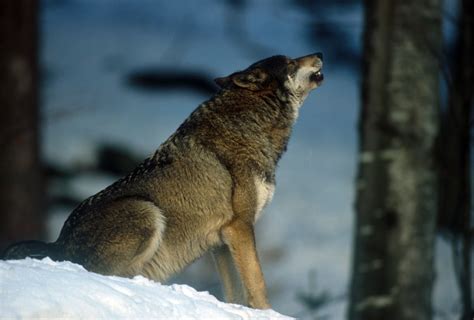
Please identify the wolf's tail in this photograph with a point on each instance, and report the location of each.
(32, 249)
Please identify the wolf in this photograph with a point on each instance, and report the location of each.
(202, 190)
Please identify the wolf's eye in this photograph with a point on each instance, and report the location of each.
(291, 66)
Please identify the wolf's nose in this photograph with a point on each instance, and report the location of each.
(319, 55)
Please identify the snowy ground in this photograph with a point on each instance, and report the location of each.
(44, 289)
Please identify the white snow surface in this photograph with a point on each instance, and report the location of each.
(45, 289)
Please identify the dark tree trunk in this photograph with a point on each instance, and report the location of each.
(397, 185)
(455, 159)
(21, 210)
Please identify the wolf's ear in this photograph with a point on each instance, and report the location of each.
(245, 79)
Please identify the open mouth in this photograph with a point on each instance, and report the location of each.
(317, 77)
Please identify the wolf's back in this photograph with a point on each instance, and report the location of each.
(32, 249)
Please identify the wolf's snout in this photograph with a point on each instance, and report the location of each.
(311, 60)
(315, 62)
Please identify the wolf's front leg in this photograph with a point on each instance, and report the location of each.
(230, 280)
(240, 238)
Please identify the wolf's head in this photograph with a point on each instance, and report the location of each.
(291, 79)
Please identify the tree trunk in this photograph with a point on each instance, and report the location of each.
(21, 210)
(396, 185)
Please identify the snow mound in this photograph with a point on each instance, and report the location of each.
(32, 288)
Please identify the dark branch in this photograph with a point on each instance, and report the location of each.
(156, 79)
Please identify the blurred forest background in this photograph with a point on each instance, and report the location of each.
(90, 88)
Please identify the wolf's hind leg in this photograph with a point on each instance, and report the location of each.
(152, 228)
(120, 238)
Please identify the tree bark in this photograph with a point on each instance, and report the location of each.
(397, 180)
(21, 209)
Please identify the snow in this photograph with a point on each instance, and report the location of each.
(33, 289)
